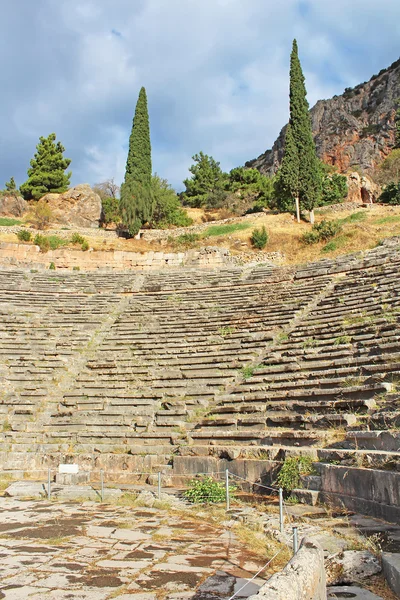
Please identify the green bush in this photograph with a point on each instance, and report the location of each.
(51, 242)
(77, 238)
(52, 266)
(110, 211)
(391, 194)
(292, 469)
(24, 235)
(207, 491)
(186, 240)
(259, 238)
(167, 207)
(322, 232)
(42, 241)
(85, 245)
(56, 242)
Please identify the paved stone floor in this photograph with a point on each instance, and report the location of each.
(87, 551)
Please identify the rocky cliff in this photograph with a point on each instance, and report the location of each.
(354, 131)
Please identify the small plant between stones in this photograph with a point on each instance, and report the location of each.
(292, 469)
(207, 491)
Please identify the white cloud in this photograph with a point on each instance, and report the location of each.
(216, 73)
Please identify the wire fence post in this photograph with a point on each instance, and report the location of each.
(281, 510)
(49, 484)
(102, 484)
(295, 540)
(159, 486)
(227, 489)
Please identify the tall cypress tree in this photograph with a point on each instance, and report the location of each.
(397, 125)
(287, 182)
(309, 189)
(137, 199)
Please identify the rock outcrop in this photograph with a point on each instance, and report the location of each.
(79, 206)
(355, 129)
(361, 188)
(12, 206)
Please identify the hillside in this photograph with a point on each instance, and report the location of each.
(351, 131)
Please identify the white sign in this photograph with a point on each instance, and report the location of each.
(68, 468)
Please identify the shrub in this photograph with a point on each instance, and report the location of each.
(186, 240)
(391, 194)
(24, 235)
(259, 238)
(41, 215)
(85, 245)
(110, 211)
(52, 266)
(206, 491)
(322, 232)
(76, 238)
(51, 242)
(167, 207)
(292, 469)
(42, 241)
(56, 242)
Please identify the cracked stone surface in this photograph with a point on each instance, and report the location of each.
(88, 551)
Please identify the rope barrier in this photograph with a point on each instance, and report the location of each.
(254, 483)
(256, 575)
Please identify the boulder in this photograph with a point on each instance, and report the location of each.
(352, 566)
(12, 206)
(79, 206)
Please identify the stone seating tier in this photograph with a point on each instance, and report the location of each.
(253, 357)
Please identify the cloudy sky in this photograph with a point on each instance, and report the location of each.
(216, 74)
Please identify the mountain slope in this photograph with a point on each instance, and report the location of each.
(354, 130)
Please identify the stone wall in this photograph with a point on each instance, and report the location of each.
(368, 491)
(303, 578)
(26, 255)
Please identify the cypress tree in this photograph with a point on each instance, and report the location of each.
(309, 188)
(137, 198)
(46, 173)
(287, 182)
(397, 125)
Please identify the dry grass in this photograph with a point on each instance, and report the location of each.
(265, 546)
(284, 235)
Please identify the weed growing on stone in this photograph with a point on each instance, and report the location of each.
(224, 331)
(291, 470)
(207, 491)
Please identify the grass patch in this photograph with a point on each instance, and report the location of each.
(335, 244)
(9, 222)
(389, 219)
(215, 230)
(354, 217)
(264, 545)
(248, 371)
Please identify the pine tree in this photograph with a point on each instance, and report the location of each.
(309, 189)
(137, 198)
(207, 184)
(11, 186)
(46, 173)
(287, 181)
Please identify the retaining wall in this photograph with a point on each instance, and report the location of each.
(368, 491)
(303, 578)
(29, 256)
